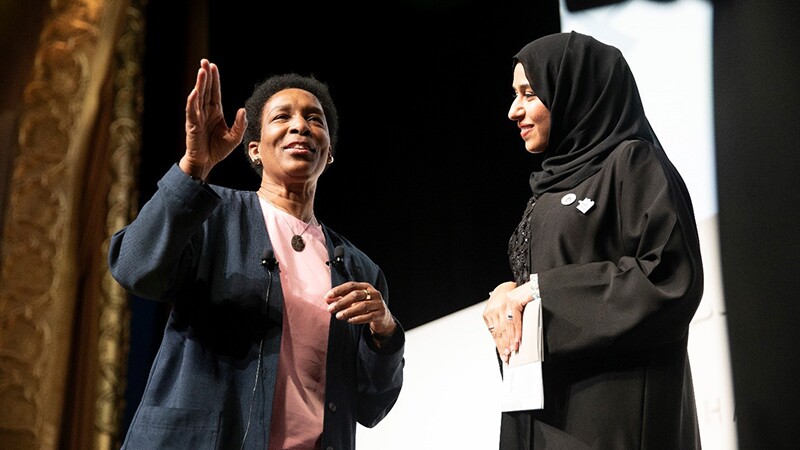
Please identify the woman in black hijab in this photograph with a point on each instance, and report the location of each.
(608, 243)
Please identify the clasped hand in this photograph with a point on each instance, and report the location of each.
(358, 303)
(503, 316)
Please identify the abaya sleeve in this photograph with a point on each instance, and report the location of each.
(627, 273)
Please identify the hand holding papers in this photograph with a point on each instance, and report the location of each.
(522, 375)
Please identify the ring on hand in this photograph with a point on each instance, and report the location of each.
(510, 316)
(369, 296)
(491, 328)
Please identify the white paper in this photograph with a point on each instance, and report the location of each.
(522, 375)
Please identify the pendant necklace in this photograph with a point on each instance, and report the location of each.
(298, 244)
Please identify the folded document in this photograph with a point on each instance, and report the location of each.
(522, 376)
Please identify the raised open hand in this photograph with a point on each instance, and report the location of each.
(209, 140)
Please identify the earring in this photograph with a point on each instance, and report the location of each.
(330, 158)
(257, 161)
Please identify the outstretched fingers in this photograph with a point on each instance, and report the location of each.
(213, 82)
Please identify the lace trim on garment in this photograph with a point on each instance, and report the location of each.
(519, 246)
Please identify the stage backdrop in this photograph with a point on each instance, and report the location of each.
(450, 396)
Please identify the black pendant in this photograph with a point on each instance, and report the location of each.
(298, 244)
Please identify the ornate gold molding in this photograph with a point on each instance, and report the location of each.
(38, 285)
(125, 131)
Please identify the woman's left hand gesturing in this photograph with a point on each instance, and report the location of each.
(358, 303)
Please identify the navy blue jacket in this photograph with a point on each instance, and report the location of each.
(211, 386)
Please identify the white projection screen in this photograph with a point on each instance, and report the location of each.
(449, 398)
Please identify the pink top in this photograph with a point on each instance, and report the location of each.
(298, 406)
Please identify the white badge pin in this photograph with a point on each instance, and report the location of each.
(568, 199)
(585, 205)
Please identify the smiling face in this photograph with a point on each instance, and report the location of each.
(295, 142)
(530, 114)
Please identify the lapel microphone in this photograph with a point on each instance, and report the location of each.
(268, 260)
(338, 257)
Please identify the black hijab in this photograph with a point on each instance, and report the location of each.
(593, 101)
